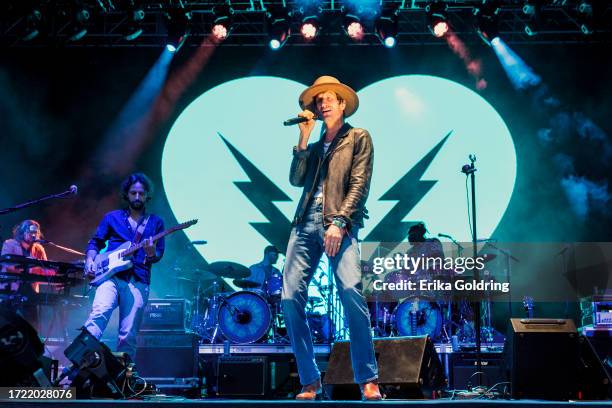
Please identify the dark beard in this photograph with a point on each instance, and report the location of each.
(136, 205)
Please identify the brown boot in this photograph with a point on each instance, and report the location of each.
(310, 392)
(370, 392)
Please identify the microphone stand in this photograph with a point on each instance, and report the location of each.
(63, 248)
(469, 170)
(37, 201)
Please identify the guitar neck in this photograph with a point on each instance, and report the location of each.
(156, 237)
(140, 245)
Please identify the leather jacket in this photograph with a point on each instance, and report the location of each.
(346, 170)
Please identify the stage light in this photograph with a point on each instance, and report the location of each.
(222, 24)
(386, 29)
(309, 27)
(33, 23)
(585, 17)
(520, 74)
(437, 18)
(275, 44)
(135, 16)
(487, 21)
(533, 10)
(353, 27)
(79, 24)
(279, 28)
(177, 20)
(390, 42)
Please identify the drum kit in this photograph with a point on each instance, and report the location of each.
(252, 314)
(411, 313)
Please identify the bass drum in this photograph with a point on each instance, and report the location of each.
(244, 317)
(417, 317)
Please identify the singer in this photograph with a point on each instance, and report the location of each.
(128, 289)
(335, 174)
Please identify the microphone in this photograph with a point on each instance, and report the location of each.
(294, 121)
(74, 189)
(445, 236)
(41, 241)
(200, 242)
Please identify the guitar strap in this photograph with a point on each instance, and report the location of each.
(140, 231)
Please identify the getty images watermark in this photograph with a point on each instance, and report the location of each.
(433, 273)
(491, 270)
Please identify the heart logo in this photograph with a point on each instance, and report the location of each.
(226, 162)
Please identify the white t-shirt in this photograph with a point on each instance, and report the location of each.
(319, 191)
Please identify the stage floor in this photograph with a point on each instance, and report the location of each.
(221, 403)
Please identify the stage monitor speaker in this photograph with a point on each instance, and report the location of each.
(167, 355)
(543, 358)
(98, 372)
(21, 352)
(408, 367)
(242, 376)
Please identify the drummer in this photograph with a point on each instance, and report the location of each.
(262, 271)
(421, 246)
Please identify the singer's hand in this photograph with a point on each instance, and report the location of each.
(305, 128)
(332, 240)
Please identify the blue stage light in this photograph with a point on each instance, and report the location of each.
(390, 42)
(171, 47)
(520, 74)
(275, 44)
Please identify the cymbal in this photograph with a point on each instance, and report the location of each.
(228, 269)
(245, 283)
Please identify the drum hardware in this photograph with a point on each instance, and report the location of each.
(245, 283)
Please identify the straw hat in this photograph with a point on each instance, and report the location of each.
(328, 83)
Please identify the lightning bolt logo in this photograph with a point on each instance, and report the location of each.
(408, 191)
(262, 192)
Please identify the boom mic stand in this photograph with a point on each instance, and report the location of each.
(469, 170)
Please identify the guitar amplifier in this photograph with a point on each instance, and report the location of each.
(167, 355)
(166, 315)
(242, 376)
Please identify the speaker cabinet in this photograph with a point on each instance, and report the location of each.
(408, 367)
(167, 355)
(596, 366)
(242, 376)
(544, 358)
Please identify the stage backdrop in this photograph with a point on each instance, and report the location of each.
(222, 155)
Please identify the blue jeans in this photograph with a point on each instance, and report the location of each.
(304, 251)
(131, 297)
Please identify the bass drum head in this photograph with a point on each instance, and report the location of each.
(244, 317)
(417, 317)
